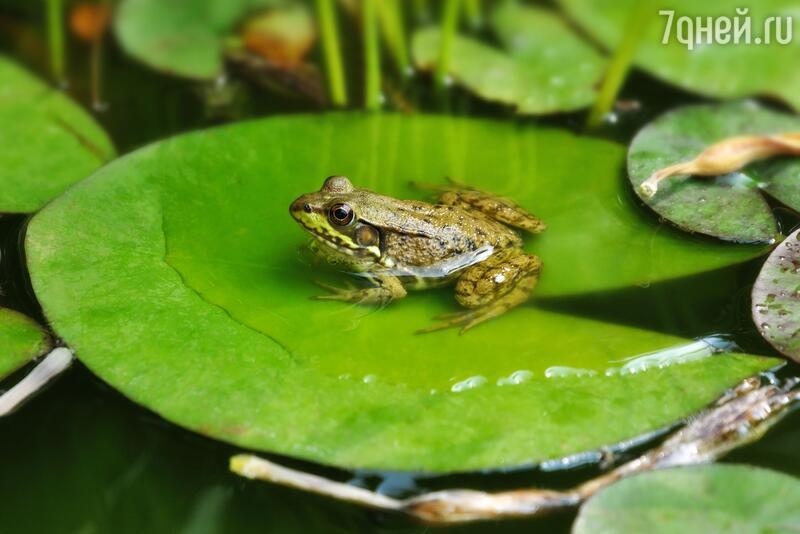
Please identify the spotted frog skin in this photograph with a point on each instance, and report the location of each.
(466, 237)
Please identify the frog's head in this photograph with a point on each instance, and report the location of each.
(332, 216)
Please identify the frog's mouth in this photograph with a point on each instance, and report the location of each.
(326, 235)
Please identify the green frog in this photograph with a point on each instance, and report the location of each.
(467, 237)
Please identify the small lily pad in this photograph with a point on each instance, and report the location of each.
(731, 207)
(179, 37)
(710, 498)
(776, 297)
(174, 274)
(542, 68)
(21, 340)
(47, 142)
(715, 69)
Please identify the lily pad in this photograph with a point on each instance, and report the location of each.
(180, 37)
(542, 68)
(712, 498)
(776, 297)
(718, 69)
(21, 340)
(731, 207)
(47, 143)
(174, 274)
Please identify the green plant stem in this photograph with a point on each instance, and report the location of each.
(621, 61)
(422, 10)
(448, 31)
(55, 39)
(372, 58)
(474, 12)
(95, 70)
(329, 30)
(390, 14)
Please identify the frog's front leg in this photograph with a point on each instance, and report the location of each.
(491, 288)
(386, 289)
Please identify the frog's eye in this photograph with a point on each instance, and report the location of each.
(340, 214)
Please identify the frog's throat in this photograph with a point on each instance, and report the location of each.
(338, 241)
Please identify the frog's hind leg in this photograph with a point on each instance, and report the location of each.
(498, 208)
(385, 289)
(491, 288)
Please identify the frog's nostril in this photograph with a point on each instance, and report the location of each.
(298, 206)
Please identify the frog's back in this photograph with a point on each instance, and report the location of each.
(431, 238)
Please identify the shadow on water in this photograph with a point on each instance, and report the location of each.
(15, 286)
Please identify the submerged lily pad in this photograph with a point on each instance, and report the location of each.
(174, 273)
(47, 142)
(718, 69)
(21, 340)
(776, 297)
(179, 37)
(711, 498)
(731, 207)
(543, 66)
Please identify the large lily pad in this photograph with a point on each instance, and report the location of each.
(21, 340)
(713, 498)
(175, 275)
(47, 142)
(731, 207)
(185, 38)
(543, 66)
(776, 297)
(724, 70)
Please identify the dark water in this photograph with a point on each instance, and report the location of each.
(81, 458)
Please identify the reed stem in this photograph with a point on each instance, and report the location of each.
(621, 61)
(474, 12)
(55, 40)
(390, 14)
(422, 11)
(372, 57)
(332, 50)
(448, 31)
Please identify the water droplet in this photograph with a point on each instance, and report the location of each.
(765, 326)
(369, 379)
(470, 383)
(689, 352)
(559, 371)
(517, 377)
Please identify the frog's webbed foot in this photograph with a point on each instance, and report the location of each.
(464, 319)
(498, 208)
(491, 288)
(385, 290)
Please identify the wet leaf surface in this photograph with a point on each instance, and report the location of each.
(130, 473)
(722, 70)
(732, 207)
(776, 297)
(53, 142)
(194, 299)
(21, 340)
(181, 38)
(542, 67)
(713, 498)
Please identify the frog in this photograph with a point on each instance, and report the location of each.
(465, 237)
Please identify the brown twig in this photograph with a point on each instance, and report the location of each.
(740, 417)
